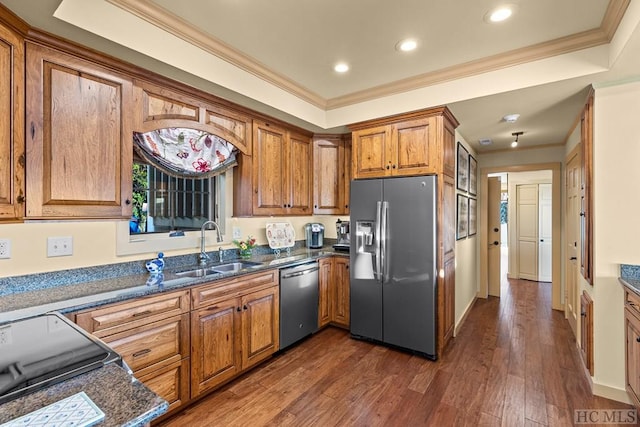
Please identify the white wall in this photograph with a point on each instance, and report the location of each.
(616, 231)
(466, 263)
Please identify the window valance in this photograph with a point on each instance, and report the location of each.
(185, 153)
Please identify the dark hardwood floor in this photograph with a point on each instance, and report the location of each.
(513, 363)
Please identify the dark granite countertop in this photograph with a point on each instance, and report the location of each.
(124, 400)
(80, 296)
(631, 284)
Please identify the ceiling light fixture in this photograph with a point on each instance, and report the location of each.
(514, 144)
(500, 14)
(341, 67)
(406, 45)
(485, 141)
(511, 118)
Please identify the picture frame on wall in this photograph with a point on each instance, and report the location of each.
(473, 175)
(462, 179)
(473, 218)
(462, 227)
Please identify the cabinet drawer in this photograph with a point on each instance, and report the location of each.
(170, 382)
(632, 301)
(148, 344)
(203, 296)
(120, 317)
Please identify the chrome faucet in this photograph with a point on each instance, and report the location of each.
(203, 257)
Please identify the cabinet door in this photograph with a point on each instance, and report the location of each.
(260, 326)
(341, 299)
(347, 174)
(448, 316)
(12, 156)
(325, 284)
(269, 169)
(370, 152)
(328, 176)
(215, 345)
(413, 150)
(79, 137)
(633, 355)
(299, 176)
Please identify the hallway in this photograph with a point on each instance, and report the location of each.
(514, 363)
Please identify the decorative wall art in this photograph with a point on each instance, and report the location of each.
(462, 181)
(473, 222)
(462, 229)
(473, 172)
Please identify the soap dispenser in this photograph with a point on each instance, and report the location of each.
(156, 266)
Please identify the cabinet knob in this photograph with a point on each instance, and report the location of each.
(387, 166)
(245, 307)
(581, 213)
(573, 258)
(127, 202)
(238, 309)
(583, 314)
(315, 206)
(394, 166)
(637, 339)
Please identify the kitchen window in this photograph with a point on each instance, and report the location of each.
(163, 203)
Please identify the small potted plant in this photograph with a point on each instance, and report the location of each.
(245, 246)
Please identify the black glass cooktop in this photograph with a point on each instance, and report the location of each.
(44, 350)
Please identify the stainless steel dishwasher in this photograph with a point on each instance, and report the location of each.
(298, 302)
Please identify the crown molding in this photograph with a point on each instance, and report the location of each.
(162, 18)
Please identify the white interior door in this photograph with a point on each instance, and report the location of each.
(572, 302)
(493, 233)
(544, 233)
(527, 231)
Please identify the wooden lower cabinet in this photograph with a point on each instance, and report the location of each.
(152, 336)
(341, 298)
(632, 346)
(234, 330)
(325, 280)
(333, 301)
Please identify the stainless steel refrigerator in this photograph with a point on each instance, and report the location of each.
(393, 262)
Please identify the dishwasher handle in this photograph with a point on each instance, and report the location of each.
(284, 275)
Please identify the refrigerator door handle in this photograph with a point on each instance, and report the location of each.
(383, 240)
(377, 241)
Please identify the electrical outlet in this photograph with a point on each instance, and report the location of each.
(237, 233)
(59, 246)
(5, 335)
(5, 248)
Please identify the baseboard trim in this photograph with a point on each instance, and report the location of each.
(612, 393)
(464, 316)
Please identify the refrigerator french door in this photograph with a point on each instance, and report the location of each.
(393, 262)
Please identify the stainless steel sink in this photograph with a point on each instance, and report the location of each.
(199, 272)
(230, 267)
(234, 267)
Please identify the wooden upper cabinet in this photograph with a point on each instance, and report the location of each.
(418, 143)
(12, 158)
(159, 107)
(370, 155)
(282, 182)
(79, 137)
(329, 175)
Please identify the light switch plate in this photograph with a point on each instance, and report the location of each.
(59, 246)
(5, 248)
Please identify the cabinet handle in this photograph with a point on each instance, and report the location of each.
(583, 314)
(33, 130)
(20, 199)
(142, 313)
(142, 352)
(347, 266)
(245, 307)
(215, 307)
(573, 258)
(238, 309)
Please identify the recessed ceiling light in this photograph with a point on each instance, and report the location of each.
(511, 118)
(485, 141)
(406, 45)
(341, 67)
(500, 14)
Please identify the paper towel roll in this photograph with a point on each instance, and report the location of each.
(363, 266)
